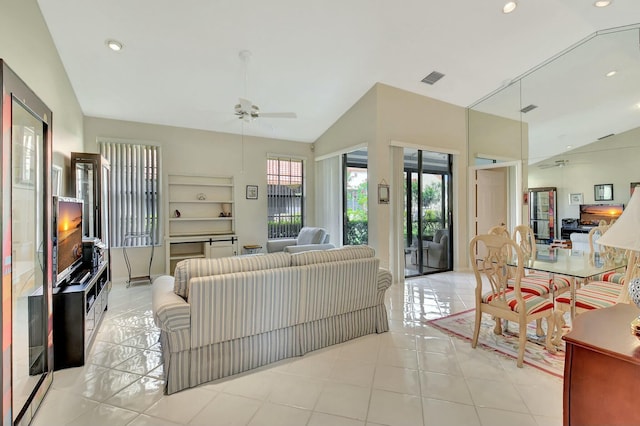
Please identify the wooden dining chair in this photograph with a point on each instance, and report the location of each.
(499, 230)
(599, 294)
(537, 282)
(489, 255)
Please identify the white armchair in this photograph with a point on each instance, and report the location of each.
(438, 250)
(309, 238)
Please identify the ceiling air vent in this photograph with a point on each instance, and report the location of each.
(528, 108)
(605, 136)
(433, 77)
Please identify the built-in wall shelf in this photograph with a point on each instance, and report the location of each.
(200, 218)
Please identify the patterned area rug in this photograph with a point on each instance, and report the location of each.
(461, 325)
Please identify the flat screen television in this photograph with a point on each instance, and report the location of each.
(67, 238)
(592, 214)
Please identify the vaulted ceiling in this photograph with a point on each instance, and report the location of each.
(180, 64)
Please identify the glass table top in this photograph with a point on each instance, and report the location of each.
(574, 263)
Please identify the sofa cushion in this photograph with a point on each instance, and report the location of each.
(332, 255)
(309, 235)
(192, 268)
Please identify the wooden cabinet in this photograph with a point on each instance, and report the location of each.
(602, 367)
(200, 218)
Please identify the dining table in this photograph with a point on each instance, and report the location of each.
(577, 265)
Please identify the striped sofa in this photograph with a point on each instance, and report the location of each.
(219, 317)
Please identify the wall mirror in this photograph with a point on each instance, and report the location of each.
(572, 121)
(25, 133)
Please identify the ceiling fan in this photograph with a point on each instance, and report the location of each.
(245, 110)
(557, 163)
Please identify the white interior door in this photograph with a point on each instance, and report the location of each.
(491, 199)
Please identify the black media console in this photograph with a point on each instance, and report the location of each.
(78, 309)
(566, 231)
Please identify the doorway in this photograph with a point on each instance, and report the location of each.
(427, 212)
(494, 196)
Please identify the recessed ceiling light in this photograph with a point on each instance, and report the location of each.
(602, 3)
(509, 7)
(611, 73)
(569, 146)
(114, 45)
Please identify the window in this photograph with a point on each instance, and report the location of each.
(285, 192)
(135, 182)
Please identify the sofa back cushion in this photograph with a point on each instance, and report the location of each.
(309, 235)
(192, 268)
(332, 255)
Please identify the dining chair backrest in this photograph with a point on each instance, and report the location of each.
(499, 230)
(490, 262)
(524, 237)
(594, 234)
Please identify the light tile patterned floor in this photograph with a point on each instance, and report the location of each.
(412, 375)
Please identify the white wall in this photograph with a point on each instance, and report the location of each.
(613, 160)
(26, 46)
(202, 152)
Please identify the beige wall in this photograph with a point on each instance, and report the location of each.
(386, 114)
(613, 160)
(356, 126)
(202, 152)
(26, 46)
(427, 124)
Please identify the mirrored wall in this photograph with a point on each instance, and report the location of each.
(573, 121)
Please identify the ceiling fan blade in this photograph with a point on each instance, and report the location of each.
(278, 114)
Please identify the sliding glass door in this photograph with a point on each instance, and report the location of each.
(427, 218)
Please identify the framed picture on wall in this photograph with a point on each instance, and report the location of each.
(575, 199)
(252, 192)
(603, 192)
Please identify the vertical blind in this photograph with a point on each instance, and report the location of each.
(134, 186)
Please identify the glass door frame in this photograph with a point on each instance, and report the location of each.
(446, 206)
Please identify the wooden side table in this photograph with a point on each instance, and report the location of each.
(602, 368)
(252, 248)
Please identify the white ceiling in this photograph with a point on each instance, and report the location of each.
(180, 65)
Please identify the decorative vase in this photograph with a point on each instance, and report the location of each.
(634, 294)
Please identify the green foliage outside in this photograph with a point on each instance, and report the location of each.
(357, 232)
(431, 206)
(284, 228)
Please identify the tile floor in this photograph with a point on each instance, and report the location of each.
(412, 375)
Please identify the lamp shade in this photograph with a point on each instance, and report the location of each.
(625, 232)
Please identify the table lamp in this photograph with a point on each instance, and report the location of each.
(625, 234)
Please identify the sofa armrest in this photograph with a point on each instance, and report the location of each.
(385, 279)
(307, 247)
(279, 245)
(170, 311)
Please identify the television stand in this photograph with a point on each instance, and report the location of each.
(78, 309)
(81, 277)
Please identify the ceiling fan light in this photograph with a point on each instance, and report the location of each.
(509, 7)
